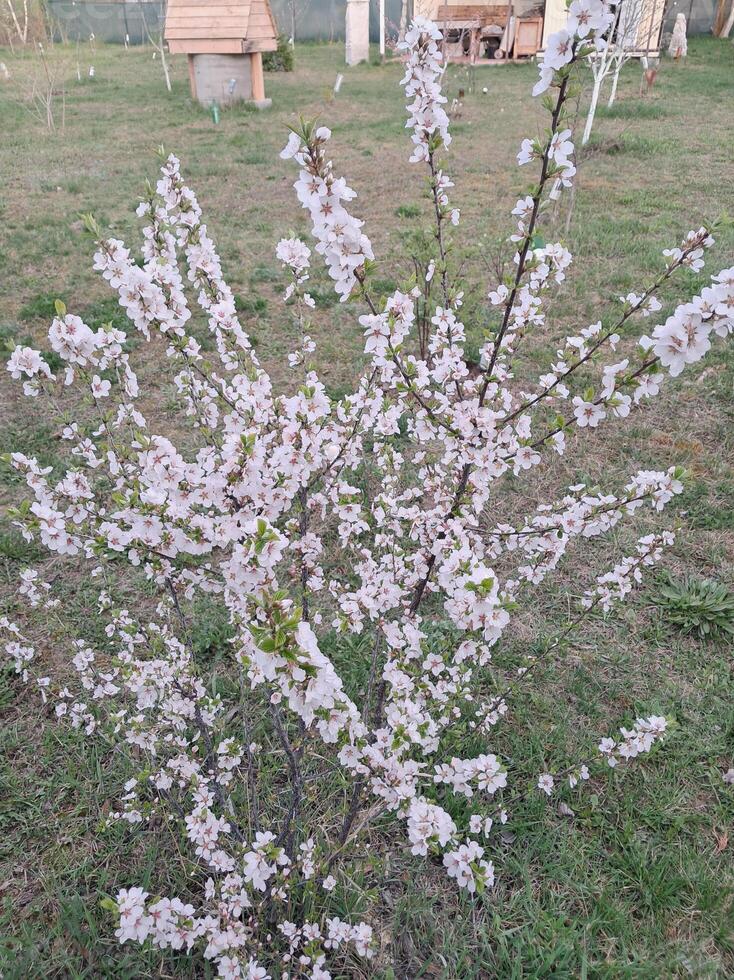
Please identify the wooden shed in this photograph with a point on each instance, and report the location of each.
(224, 41)
(480, 31)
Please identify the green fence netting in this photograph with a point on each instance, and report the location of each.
(118, 20)
(316, 20)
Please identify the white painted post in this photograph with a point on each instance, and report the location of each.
(358, 31)
(598, 79)
(615, 82)
(382, 30)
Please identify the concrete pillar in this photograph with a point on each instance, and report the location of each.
(358, 31)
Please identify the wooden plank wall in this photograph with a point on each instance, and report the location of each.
(198, 26)
(262, 24)
(189, 19)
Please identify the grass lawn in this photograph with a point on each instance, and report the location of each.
(639, 882)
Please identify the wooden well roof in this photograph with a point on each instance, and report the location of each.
(220, 26)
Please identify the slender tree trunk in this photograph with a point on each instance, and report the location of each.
(164, 63)
(615, 80)
(21, 31)
(596, 91)
(159, 45)
(720, 17)
(726, 29)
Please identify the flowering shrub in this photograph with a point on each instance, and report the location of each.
(305, 516)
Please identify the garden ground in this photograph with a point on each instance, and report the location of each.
(638, 883)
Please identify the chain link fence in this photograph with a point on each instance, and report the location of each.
(315, 20)
(115, 21)
(700, 15)
(323, 20)
(118, 20)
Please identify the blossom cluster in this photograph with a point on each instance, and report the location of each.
(684, 338)
(422, 80)
(366, 522)
(634, 741)
(339, 236)
(587, 22)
